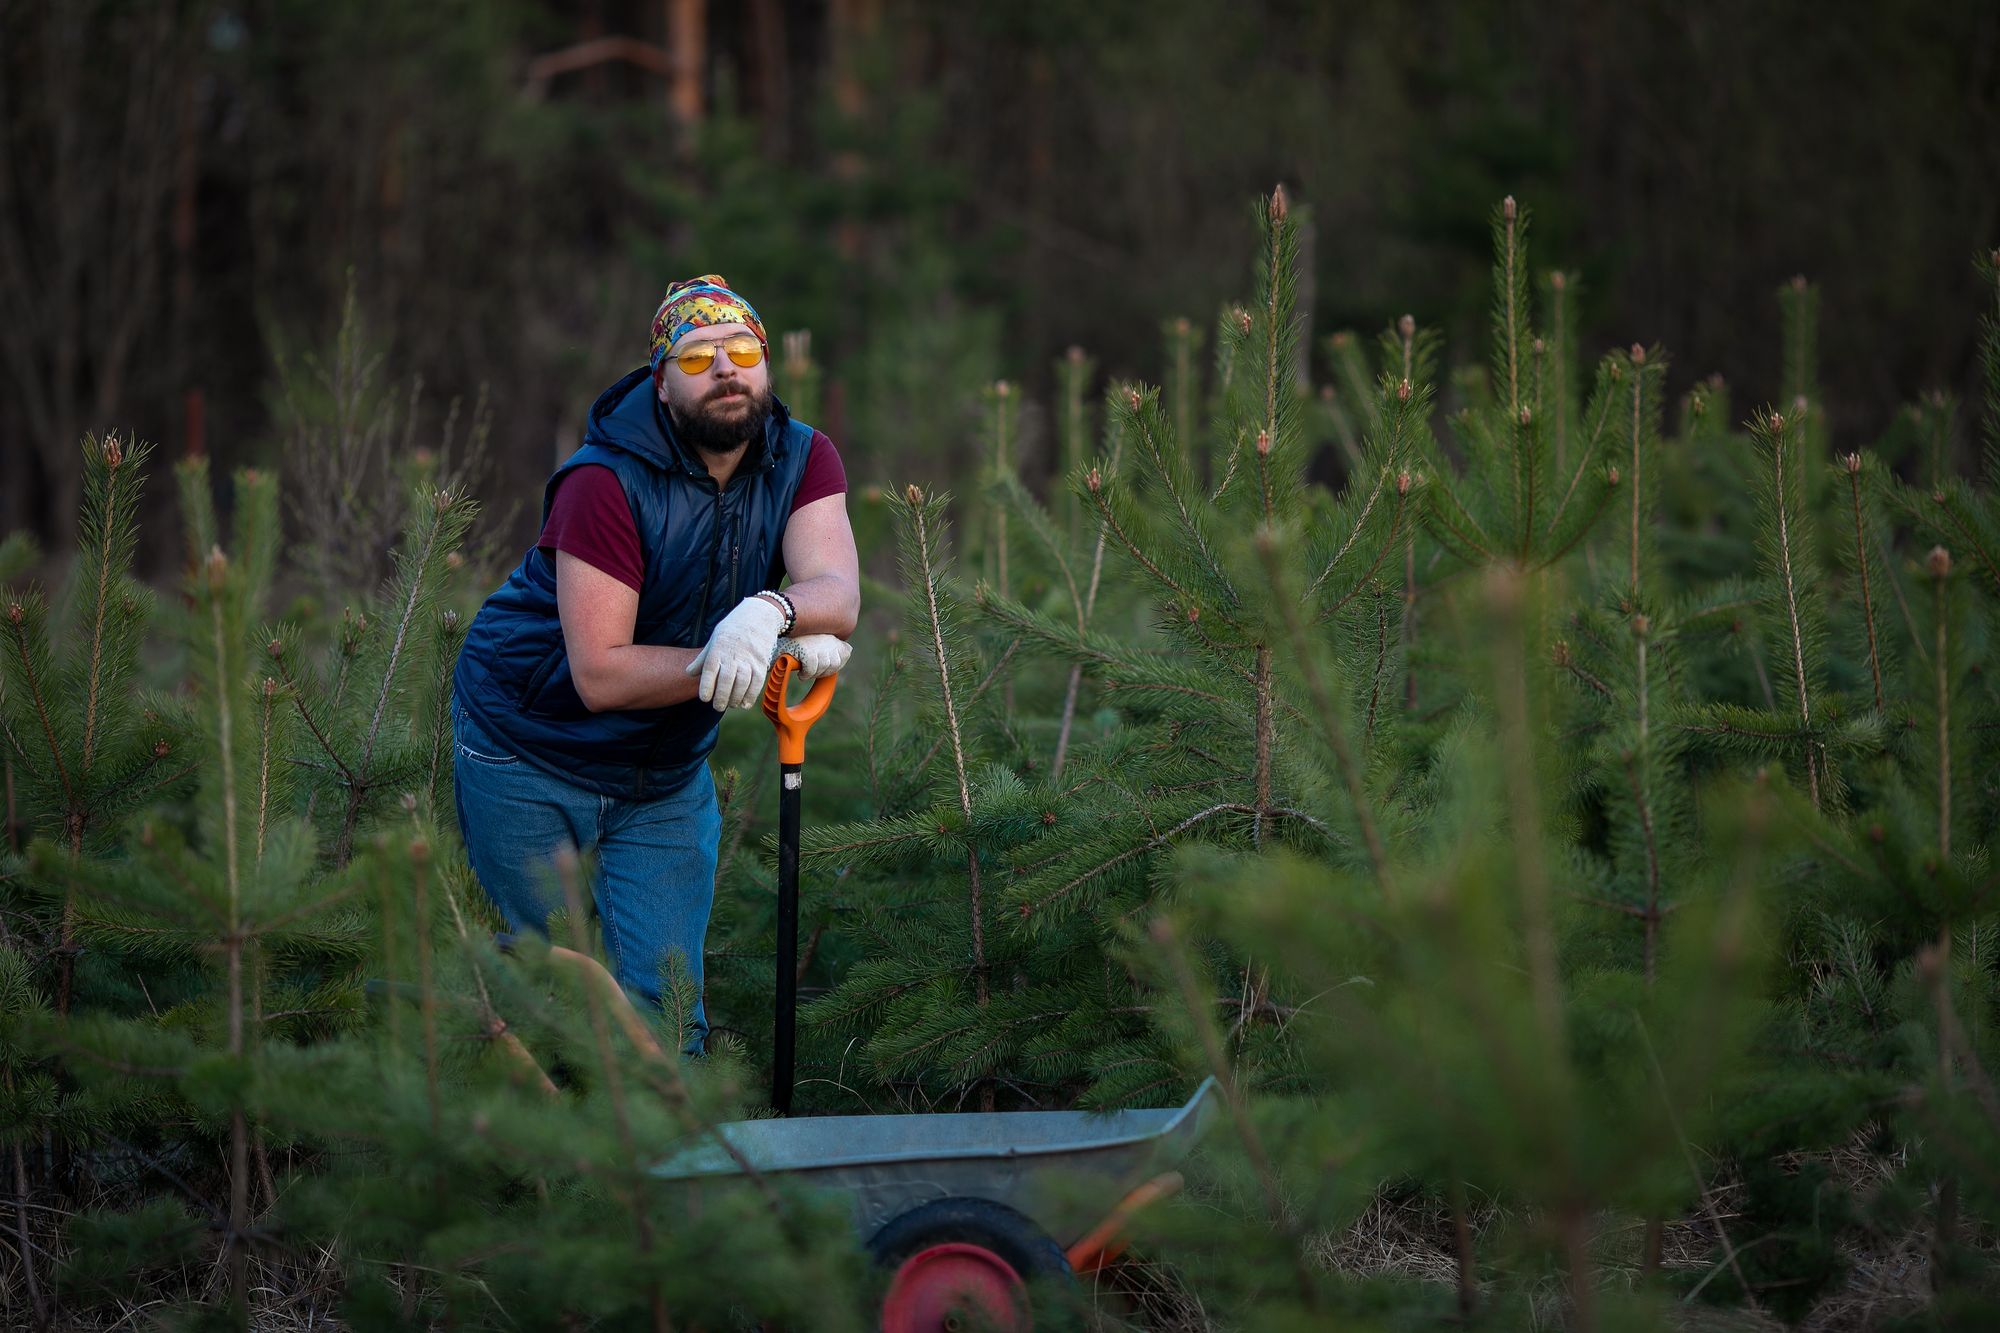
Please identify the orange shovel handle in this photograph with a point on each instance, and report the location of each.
(794, 722)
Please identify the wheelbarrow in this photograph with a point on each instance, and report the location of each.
(964, 1211)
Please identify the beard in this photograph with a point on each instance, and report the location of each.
(717, 425)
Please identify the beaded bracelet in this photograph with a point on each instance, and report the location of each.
(785, 605)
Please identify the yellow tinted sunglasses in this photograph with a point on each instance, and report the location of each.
(742, 350)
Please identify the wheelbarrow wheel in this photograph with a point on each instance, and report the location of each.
(966, 1264)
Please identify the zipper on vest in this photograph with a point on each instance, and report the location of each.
(715, 549)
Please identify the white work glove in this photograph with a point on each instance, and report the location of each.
(818, 654)
(733, 663)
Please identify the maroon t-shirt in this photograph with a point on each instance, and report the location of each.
(590, 519)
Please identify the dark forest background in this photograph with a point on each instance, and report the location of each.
(942, 194)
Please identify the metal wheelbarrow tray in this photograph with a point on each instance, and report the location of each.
(1062, 1169)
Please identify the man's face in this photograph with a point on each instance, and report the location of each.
(723, 406)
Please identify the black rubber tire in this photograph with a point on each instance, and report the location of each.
(999, 1228)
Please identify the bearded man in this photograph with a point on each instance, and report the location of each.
(592, 683)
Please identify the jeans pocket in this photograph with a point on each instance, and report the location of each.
(478, 752)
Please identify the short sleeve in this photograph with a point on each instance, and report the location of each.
(824, 474)
(590, 519)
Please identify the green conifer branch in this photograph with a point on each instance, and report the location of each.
(1353, 535)
(1562, 541)
(1561, 307)
(1002, 397)
(1096, 493)
(921, 515)
(1955, 513)
(1353, 384)
(112, 479)
(1455, 528)
(1138, 414)
(1015, 497)
(1771, 431)
(1402, 493)
(1327, 718)
(1852, 466)
(447, 638)
(1608, 372)
(1643, 433)
(1989, 366)
(628, 1163)
(27, 635)
(1277, 286)
(1075, 685)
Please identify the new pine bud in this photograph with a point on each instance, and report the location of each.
(1402, 483)
(1938, 562)
(1094, 481)
(1407, 325)
(1280, 206)
(1243, 320)
(218, 568)
(914, 495)
(1853, 462)
(1508, 211)
(1403, 392)
(1263, 444)
(1558, 280)
(114, 452)
(15, 613)
(1638, 355)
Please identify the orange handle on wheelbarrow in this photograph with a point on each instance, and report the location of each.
(794, 722)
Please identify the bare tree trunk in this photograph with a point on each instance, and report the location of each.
(687, 43)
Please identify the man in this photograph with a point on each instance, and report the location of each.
(592, 683)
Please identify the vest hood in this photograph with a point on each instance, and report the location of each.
(630, 416)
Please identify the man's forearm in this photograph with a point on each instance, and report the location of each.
(635, 675)
(827, 604)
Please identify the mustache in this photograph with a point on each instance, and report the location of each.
(719, 394)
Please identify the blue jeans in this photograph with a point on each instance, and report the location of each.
(655, 873)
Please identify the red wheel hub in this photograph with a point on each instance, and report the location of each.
(956, 1287)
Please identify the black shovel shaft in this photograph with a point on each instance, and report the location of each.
(792, 778)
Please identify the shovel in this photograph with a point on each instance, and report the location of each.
(792, 724)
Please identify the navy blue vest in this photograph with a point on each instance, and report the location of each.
(704, 548)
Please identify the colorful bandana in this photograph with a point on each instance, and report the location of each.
(700, 303)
